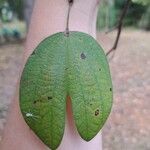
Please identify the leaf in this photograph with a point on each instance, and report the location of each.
(62, 66)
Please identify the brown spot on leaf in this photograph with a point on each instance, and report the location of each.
(97, 112)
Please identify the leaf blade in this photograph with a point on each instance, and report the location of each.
(43, 91)
(90, 85)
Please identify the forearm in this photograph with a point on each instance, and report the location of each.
(49, 17)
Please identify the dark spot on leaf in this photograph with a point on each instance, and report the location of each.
(80, 39)
(34, 102)
(83, 56)
(33, 53)
(110, 89)
(91, 104)
(49, 98)
(97, 112)
(99, 69)
(66, 68)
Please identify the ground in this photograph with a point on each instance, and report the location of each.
(128, 125)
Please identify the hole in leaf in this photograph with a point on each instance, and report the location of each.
(83, 56)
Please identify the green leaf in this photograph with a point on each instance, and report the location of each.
(62, 66)
(143, 2)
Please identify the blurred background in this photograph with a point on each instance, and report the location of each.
(128, 127)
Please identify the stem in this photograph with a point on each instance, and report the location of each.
(119, 27)
(68, 16)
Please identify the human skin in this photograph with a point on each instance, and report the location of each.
(49, 17)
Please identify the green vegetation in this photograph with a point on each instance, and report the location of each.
(143, 2)
(109, 12)
(15, 5)
(137, 16)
